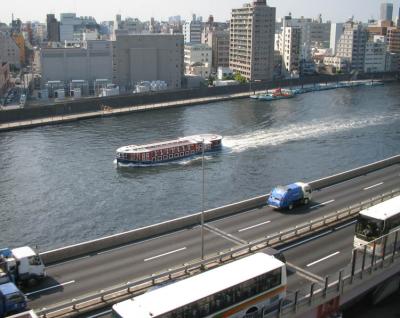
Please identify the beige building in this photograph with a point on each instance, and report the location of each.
(218, 40)
(148, 57)
(252, 32)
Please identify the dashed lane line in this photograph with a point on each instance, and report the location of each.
(321, 204)
(323, 259)
(254, 226)
(374, 186)
(49, 288)
(165, 254)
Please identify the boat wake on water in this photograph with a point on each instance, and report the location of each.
(277, 136)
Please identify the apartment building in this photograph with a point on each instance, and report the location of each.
(351, 45)
(252, 32)
(289, 47)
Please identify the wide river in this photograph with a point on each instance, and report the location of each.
(59, 184)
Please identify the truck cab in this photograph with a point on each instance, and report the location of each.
(283, 197)
(12, 300)
(22, 264)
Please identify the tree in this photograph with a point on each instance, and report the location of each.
(240, 78)
(211, 80)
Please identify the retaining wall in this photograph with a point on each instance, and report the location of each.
(94, 246)
(86, 105)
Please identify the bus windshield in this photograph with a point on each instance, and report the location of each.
(368, 228)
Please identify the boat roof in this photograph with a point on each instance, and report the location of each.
(186, 291)
(384, 210)
(183, 141)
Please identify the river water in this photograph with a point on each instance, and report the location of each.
(59, 184)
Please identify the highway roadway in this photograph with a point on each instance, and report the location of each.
(308, 261)
(320, 257)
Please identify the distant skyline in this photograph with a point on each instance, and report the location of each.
(336, 11)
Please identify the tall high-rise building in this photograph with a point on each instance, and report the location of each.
(53, 28)
(252, 35)
(387, 11)
(351, 45)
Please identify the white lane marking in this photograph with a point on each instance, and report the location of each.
(168, 253)
(323, 259)
(373, 186)
(304, 241)
(101, 314)
(253, 226)
(322, 204)
(48, 288)
(345, 225)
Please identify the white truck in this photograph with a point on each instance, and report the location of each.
(21, 264)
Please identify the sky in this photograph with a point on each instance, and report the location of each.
(102, 10)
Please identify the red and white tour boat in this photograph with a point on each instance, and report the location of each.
(159, 152)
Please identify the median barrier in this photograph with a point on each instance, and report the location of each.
(94, 246)
(350, 174)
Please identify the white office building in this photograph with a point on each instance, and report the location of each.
(289, 47)
(336, 32)
(198, 60)
(351, 45)
(375, 55)
(192, 31)
(68, 21)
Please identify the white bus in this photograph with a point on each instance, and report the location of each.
(375, 222)
(248, 287)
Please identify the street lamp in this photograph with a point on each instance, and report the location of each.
(202, 201)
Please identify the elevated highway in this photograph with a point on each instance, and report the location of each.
(322, 252)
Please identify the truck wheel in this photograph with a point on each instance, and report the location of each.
(306, 201)
(291, 206)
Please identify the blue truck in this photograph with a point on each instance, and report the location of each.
(12, 300)
(287, 197)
